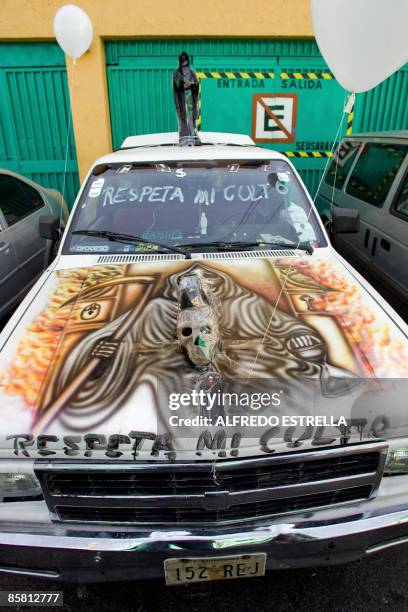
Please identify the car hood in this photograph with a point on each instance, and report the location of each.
(93, 361)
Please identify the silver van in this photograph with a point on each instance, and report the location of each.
(369, 173)
(24, 251)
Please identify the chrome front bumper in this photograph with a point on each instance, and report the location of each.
(94, 552)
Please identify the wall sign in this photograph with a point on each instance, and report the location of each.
(274, 117)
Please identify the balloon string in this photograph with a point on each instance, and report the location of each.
(333, 145)
(348, 107)
(286, 277)
(336, 165)
(64, 180)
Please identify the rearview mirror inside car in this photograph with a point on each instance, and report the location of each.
(345, 220)
(50, 227)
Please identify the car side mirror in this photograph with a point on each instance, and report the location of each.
(345, 220)
(50, 226)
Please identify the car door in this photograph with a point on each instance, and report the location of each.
(391, 255)
(331, 189)
(22, 207)
(9, 283)
(366, 190)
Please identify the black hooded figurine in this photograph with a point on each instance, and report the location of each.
(186, 97)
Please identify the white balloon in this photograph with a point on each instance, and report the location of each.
(73, 30)
(362, 41)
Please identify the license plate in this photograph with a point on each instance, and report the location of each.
(183, 571)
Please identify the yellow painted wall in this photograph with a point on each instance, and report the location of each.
(32, 20)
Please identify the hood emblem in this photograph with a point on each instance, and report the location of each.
(217, 500)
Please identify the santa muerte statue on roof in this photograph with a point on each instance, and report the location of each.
(186, 96)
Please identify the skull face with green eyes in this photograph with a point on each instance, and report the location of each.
(198, 334)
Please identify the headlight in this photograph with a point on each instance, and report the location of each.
(397, 458)
(18, 485)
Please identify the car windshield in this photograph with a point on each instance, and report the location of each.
(189, 204)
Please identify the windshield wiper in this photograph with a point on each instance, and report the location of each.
(240, 246)
(301, 246)
(117, 237)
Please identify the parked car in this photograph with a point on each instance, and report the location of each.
(369, 173)
(188, 276)
(24, 253)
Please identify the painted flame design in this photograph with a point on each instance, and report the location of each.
(36, 349)
(369, 331)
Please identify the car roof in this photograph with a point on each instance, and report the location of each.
(172, 138)
(27, 180)
(165, 147)
(176, 153)
(392, 134)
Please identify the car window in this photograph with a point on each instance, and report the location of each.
(401, 204)
(17, 199)
(374, 172)
(188, 203)
(341, 163)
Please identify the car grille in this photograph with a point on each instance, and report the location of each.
(200, 515)
(199, 481)
(236, 490)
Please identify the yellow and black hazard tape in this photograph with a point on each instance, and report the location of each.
(288, 74)
(361, 187)
(386, 178)
(374, 193)
(263, 74)
(349, 128)
(198, 122)
(244, 74)
(304, 154)
(393, 150)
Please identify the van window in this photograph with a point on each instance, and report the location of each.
(401, 205)
(375, 171)
(17, 199)
(341, 163)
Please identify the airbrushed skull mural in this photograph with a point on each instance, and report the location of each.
(106, 332)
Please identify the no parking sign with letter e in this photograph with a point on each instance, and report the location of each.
(274, 117)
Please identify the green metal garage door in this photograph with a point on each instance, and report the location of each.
(280, 92)
(34, 111)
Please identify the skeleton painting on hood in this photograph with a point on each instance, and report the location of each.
(198, 319)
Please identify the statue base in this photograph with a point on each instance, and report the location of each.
(189, 141)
